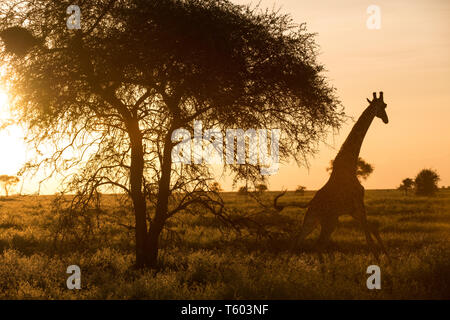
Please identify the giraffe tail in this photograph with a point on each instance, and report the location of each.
(279, 207)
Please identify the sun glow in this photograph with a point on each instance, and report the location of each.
(12, 147)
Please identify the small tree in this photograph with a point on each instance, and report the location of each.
(407, 184)
(426, 182)
(300, 190)
(243, 190)
(215, 187)
(261, 188)
(8, 182)
(363, 168)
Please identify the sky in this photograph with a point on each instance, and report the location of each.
(407, 58)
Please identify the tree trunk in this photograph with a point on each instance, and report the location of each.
(162, 204)
(137, 195)
(147, 243)
(153, 243)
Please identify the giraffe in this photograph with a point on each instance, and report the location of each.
(343, 193)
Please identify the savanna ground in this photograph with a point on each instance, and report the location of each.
(200, 259)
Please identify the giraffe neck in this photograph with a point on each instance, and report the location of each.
(347, 158)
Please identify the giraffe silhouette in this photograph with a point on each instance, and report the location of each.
(343, 193)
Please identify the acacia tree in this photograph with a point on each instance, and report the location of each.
(261, 188)
(216, 187)
(300, 189)
(363, 168)
(8, 182)
(406, 185)
(426, 182)
(109, 96)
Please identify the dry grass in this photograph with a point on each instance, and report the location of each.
(204, 263)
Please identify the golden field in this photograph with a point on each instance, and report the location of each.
(202, 259)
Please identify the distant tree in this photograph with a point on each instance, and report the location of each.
(363, 168)
(407, 185)
(8, 182)
(426, 182)
(243, 190)
(300, 190)
(215, 187)
(261, 188)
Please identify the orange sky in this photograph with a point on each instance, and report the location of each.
(408, 59)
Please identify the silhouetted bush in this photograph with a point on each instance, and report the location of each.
(300, 190)
(407, 184)
(426, 182)
(363, 168)
(243, 190)
(261, 188)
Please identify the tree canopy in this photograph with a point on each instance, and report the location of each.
(406, 185)
(7, 182)
(109, 96)
(426, 182)
(363, 168)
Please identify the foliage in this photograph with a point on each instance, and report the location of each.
(363, 168)
(243, 190)
(406, 185)
(300, 190)
(8, 182)
(426, 182)
(107, 98)
(215, 187)
(261, 188)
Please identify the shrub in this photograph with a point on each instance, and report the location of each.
(426, 182)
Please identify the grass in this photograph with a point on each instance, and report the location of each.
(202, 262)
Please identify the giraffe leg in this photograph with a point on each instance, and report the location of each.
(374, 231)
(360, 216)
(327, 228)
(310, 222)
(369, 239)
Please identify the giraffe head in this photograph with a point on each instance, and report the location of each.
(380, 107)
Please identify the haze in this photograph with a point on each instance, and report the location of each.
(408, 59)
